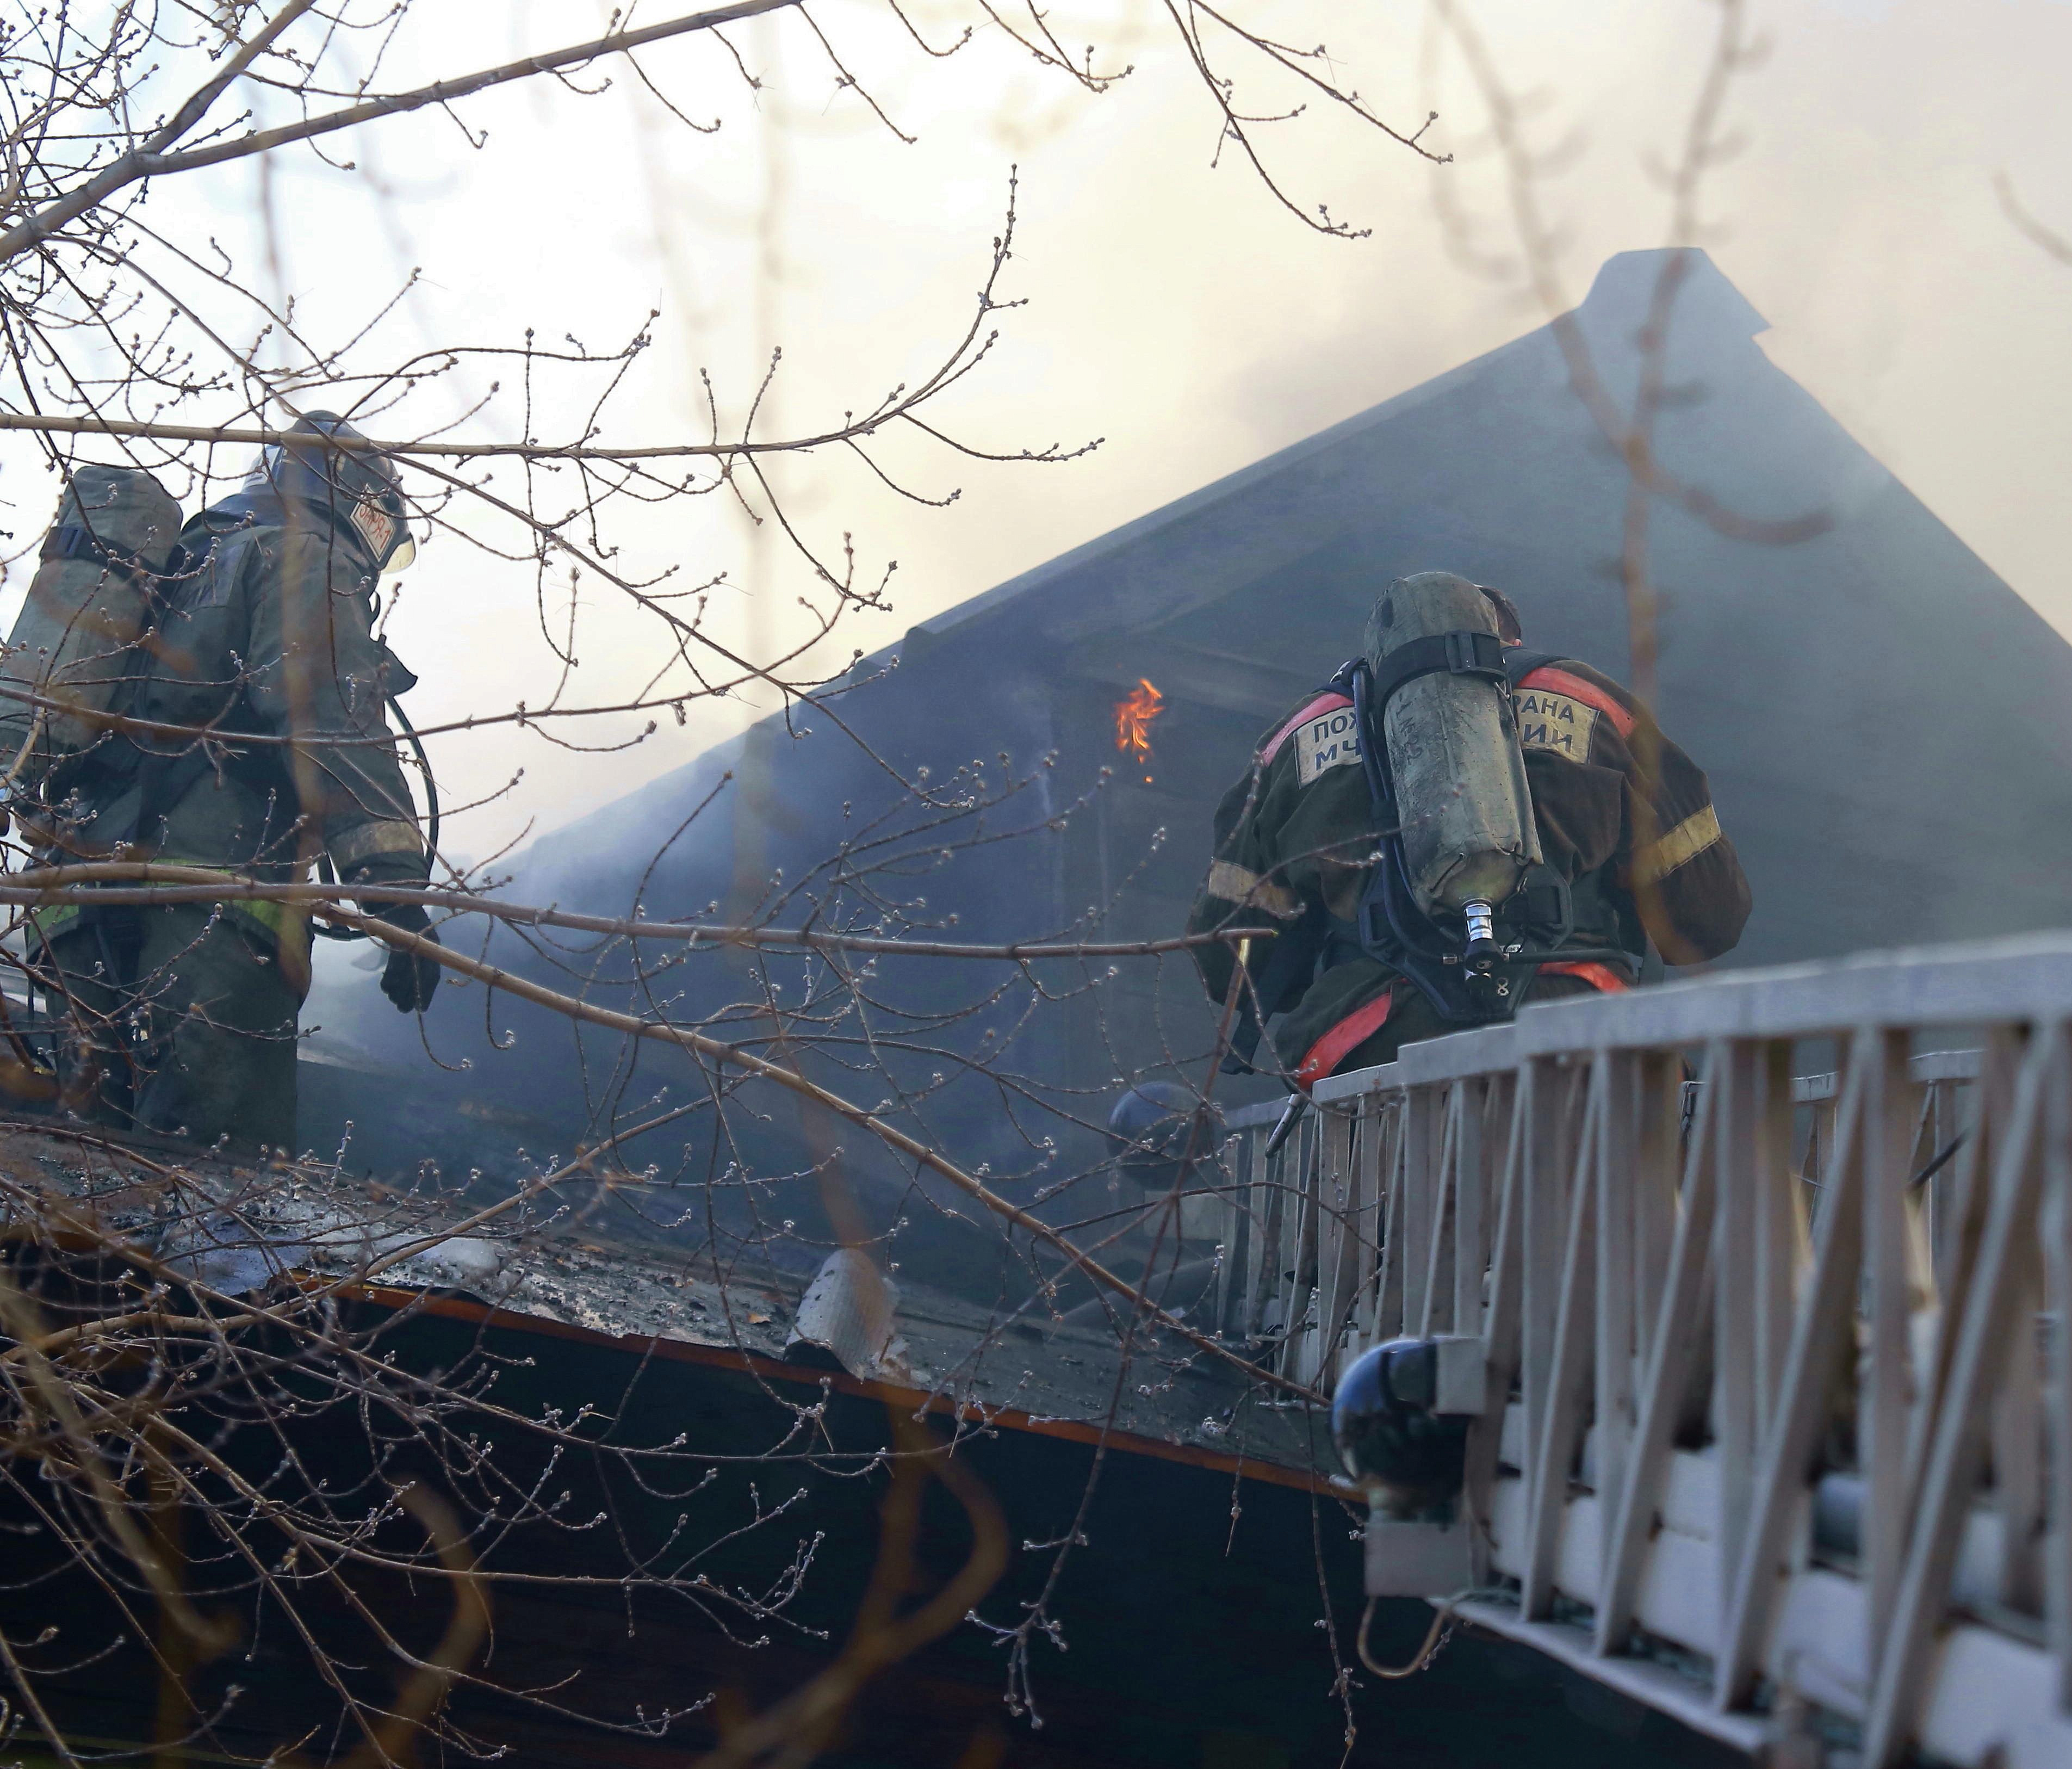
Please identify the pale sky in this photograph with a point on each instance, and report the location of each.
(1174, 310)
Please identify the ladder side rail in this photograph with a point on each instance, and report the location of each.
(1230, 1229)
(1264, 1216)
(1920, 1592)
(1822, 1333)
(1734, 1401)
(1556, 1415)
(1884, 1392)
(1784, 1245)
(1389, 1305)
(1378, 1115)
(1421, 1163)
(2058, 1403)
(1299, 1246)
(1547, 1169)
(1503, 1321)
(1471, 1198)
(1434, 1314)
(1673, 1349)
(1618, 1133)
(1991, 1104)
(1340, 1252)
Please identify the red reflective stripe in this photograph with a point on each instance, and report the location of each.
(1598, 976)
(1558, 681)
(1323, 703)
(1343, 1038)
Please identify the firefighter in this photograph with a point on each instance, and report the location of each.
(182, 1019)
(1628, 845)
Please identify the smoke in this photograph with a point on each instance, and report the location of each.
(1174, 309)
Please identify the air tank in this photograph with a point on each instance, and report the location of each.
(84, 613)
(1466, 810)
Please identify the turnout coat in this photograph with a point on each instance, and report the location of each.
(1623, 814)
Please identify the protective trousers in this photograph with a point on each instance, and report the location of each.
(176, 1020)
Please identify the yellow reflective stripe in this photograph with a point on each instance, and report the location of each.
(273, 916)
(287, 924)
(47, 921)
(1232, 883)
(1689, 839)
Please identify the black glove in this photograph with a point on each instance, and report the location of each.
(410, 979)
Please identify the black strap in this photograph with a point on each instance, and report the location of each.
(1467, 653)
(1518, 664)
(72, 541)
(124, 756)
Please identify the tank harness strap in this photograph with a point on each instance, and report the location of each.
(1343, 1038)
(72, 541)
(1329, 701)
(163, 778)
(1518, 663)
(1467, 653)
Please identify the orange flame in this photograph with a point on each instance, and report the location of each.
(1133, 714)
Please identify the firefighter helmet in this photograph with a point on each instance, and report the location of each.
(357, 487)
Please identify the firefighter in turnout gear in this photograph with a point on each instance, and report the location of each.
(182, 1019)
(1614, 847)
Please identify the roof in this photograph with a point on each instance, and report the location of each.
(243, 1229)
(1622, 287)
(1886, 725)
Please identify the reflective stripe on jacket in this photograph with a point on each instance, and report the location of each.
(285, 926)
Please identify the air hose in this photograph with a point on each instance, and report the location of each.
(325, 929)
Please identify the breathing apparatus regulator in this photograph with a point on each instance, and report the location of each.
(1461, 901)
(357, 487)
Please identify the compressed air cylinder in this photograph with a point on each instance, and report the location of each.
(1460, 792)
(83, 614)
